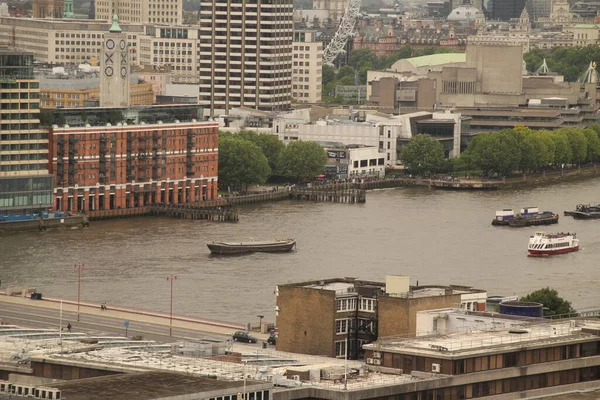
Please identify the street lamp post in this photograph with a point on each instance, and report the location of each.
(78, 266)
(171, 278)
(260, 318)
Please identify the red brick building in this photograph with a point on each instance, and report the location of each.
(125, 166)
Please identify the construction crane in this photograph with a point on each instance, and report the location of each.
(344, 32)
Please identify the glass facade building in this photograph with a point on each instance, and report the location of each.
(25, 181)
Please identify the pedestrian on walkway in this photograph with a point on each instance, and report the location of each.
(69, 327)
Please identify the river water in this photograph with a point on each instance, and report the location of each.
(436, 237)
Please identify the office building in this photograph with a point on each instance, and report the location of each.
(119, 166)
(536, 359)
(505, 10)
(323, 317)
(307, 72)
(25, 182)
(175, 49)
(246, 54)
(64, 41)
(163, 12)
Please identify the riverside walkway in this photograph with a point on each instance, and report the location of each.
(24, 310)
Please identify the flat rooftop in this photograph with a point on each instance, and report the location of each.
(144, 385)
(453, 345)
(347, 285)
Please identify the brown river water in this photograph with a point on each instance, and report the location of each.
(436, 237)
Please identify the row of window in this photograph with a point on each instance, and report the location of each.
(349, 304)
(372, 162)
(23, 167)
(24, 147)
(23, 157)
(343, 326)
(18, 127)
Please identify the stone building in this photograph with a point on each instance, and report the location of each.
(48, 8)
(65, 41)
(323, 317)
(163, 12)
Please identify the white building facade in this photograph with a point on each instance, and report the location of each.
(64, 41)
(307, 72)
(365, 161)
(166, 12)
(381, 136)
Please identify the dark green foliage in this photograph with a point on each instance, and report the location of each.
(423, 155)
(270, 145)
(571, 62)
(241, 162)
(525, 150)
(553, 304)
(302, 160)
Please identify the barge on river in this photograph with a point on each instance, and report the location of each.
(528, 216)
(273, 246)
(548, 244)
(585, 211)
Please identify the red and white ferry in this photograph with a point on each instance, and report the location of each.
(547, 244)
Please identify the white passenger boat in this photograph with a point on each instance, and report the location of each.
(547, 244)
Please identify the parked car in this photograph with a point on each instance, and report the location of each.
(272, 340)
(241, 336)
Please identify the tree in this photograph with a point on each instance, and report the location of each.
(496, 152)
(328, 74)
(577, 143)
(241, 162)
(562, 152)
(302, 160)
(269, 144)
(593, 144)
(423, 154)
(553, 304)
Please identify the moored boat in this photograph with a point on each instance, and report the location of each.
(528, 216)
(547, 244)
(273, 246)
(585, 211)
(503, 217)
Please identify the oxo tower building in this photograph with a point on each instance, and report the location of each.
(245, 54)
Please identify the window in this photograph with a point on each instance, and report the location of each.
(346, 304)
(367, 305)
(341, 326)
(340, 349)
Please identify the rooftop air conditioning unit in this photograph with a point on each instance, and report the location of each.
(376, 362)
(436, 368)
(369, 361)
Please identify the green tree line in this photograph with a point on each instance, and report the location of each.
(506, 152)
(571, 62)
(248, 158)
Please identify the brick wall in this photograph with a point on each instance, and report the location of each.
(116, 167)
(398, 316)
(306, 321)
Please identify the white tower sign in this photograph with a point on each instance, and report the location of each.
(114, 68)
